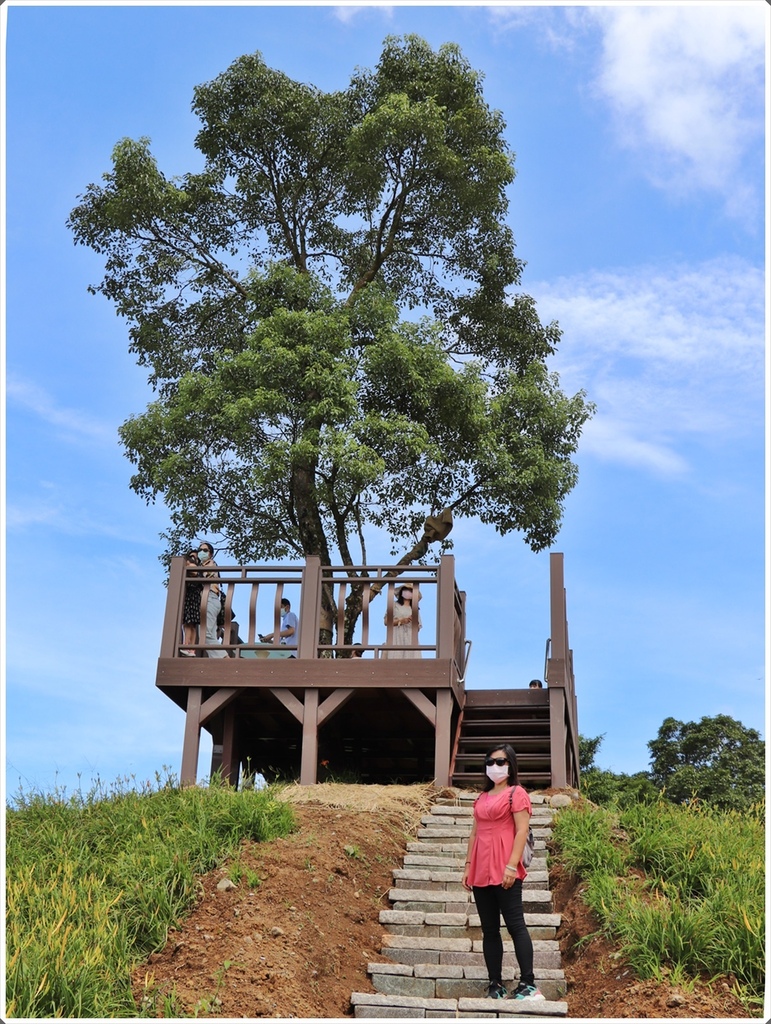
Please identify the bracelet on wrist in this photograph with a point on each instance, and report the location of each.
(510, 868)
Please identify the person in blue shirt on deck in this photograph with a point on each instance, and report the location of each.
(288, 633)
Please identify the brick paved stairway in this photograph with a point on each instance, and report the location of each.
(434, 939)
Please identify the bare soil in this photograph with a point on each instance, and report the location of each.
(298, 944)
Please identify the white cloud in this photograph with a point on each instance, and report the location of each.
(347, 12)
(668, 355)
(79, 511)
(559, 27)
(608, 438)
(71, 424)
(19, 516)
(685, 83)
(673, 314)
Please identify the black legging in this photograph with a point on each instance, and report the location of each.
(493, 901)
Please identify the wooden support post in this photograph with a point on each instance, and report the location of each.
(310, 749)
(557, 607)
(175, 596)
(333, 703)
(290, 702)
(218, 700)
(191, 743)
(445, 608)
(440, 716)
(557, 733)
(229, 759)
(310, 608)
(311, 715)
(216, 755)
(443, 739)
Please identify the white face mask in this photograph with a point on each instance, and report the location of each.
(498, 773)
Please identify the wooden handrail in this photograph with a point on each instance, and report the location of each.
(266, 585)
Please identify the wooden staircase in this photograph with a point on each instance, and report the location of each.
(491, 717)
(434, 940)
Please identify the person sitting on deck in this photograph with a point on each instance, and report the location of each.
(289, 625)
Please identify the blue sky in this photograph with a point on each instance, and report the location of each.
(639, 208)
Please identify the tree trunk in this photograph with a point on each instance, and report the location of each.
(312, 538)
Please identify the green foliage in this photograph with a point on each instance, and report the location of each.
(606, 787)
(699, 907)
(586, 842)
(611, 789)
(95, 882)
(587, 751)
(716, 759)
(276, 299)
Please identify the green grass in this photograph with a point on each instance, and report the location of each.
(679, 887)
(93, 884)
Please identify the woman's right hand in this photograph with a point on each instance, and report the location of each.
(466, 872)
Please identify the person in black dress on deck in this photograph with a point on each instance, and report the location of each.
(191, 610)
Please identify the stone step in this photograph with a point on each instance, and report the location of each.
(441, 829)
(414, 949)
(469, 918)
(450, 851)
(459, 925)
(377, 1005)
(450, 876)
(447, 862)
(457, 849)
(441, 809)
(461, 832)
(465, 815)
(538, 810)
(436, 827)
(510, 974)
(534, 901)
(433, 941)
(434, 981)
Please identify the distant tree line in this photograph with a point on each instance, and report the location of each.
(717, 760)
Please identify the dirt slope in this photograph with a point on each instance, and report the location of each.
(298, 944)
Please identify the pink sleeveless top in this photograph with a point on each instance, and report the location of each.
(495, 835)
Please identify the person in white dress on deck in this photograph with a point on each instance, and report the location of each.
(405, 632)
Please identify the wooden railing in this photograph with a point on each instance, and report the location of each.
(319, 596)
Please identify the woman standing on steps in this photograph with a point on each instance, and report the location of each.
(494, 871)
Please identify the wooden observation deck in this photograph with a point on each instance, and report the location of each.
(396, 714)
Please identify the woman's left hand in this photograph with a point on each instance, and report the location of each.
(509, 878)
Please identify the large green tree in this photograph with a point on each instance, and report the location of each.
(329, 314)
(716, 759)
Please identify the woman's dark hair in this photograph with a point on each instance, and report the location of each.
(192, 556)
(511, 754)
